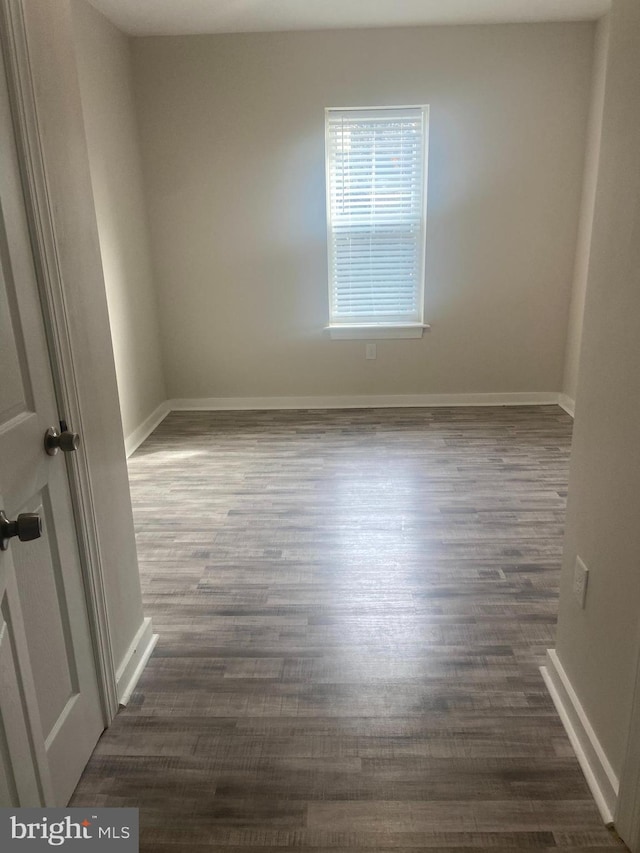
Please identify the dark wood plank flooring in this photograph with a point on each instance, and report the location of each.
(352, 609)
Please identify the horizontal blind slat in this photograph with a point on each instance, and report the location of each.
(375, 197)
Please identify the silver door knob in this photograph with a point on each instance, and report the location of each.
(26, 527)
(65, 441)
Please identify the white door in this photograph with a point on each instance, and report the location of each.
(50, 713)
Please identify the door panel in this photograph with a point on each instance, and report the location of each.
(22, 764)
(50, 713)
(48, 628)
(13, 401)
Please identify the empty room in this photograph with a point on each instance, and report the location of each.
(320, 473)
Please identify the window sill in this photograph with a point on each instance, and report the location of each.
(374, 331)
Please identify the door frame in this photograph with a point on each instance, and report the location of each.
(55, 310)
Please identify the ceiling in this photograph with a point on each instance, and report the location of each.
(185, 17)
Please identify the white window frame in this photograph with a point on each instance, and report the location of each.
(343, 329)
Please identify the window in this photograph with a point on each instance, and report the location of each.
(376, 161)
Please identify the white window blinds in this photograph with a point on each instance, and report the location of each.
(376, 200)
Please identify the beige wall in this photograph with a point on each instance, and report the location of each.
(233, 149)
(585, 226)
(105, 81)
(599, 646)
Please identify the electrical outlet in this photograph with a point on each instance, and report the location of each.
(580, 581)
(370, 351)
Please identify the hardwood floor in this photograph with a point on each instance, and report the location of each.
(352, 609)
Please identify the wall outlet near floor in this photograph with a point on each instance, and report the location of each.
(580, 581)
(370, 351)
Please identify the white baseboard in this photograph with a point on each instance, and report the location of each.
(374, 401)
(135, 660)
(567, 404)
(133, 441)
(602, 780)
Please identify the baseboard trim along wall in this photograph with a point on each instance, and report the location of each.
(602, 780)
(567, 404)
(373, 401)
(135, 660)
(133, 441)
